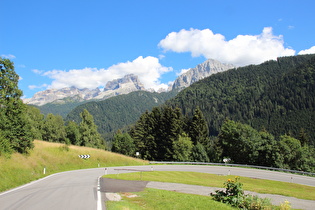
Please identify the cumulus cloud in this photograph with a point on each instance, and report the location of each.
(307, 51)
(240, 51)
(148, 69)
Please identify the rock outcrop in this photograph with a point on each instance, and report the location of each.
(201, 71)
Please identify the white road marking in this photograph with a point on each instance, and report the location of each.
(99, 196)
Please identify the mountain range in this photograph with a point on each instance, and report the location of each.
(125, 85)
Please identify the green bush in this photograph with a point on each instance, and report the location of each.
(234, 196)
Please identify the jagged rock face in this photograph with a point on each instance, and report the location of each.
(131, 81)
(125, 85)
(47, 96)
(199, 72)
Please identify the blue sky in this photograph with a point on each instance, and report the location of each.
(59, 43)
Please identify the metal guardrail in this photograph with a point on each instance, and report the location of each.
(235, 165)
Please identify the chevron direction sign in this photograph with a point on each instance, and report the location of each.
(84, 156)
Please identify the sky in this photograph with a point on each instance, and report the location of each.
(81, 43)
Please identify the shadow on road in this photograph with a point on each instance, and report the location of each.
(118, 185)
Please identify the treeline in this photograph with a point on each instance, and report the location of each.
(165, 134)
(276, 95)
(62, 107)
(53, 128)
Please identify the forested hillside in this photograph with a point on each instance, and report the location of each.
(277, 96)
(120, 111)
(257, 115)
(61, 107)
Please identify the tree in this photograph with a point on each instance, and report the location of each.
(73, 133)
(123, 144)
(143, 133)
(235, 139)
(13, 122)
(198, 129)
(169, 128)
(53, 129)
(303, 137)
(35, 119)
(291, 152)
(245, 145)
(182, 148)
(199, 154)
(89, 134)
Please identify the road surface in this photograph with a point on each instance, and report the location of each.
(79, 189)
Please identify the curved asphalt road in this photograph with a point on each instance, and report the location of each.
(79, 189)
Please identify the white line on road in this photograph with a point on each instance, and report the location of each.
(99, 196)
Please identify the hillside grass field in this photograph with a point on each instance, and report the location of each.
(20, 169)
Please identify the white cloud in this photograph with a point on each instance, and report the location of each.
(32, 87)
(242, 50)
(9, 56)
(183, 71)
(36, 71)
(148, 69)
(307, 51)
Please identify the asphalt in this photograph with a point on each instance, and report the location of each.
(117, 186)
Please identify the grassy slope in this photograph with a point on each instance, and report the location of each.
(20, 169)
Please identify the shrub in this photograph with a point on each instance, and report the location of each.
(234, 196)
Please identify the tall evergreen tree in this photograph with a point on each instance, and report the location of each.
(198, 128)
(89, 134)
(171, 125)
(13, 122)
(143, 133)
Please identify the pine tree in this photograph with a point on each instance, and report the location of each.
(88, 130)
(198, 129)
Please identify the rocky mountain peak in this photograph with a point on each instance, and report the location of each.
(201, 71)
(130, 79)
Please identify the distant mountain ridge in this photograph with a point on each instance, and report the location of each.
(129, 83)
(125, 85)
